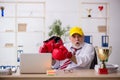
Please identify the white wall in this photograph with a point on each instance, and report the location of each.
(114, 31)
(65, 10)
(68, 11)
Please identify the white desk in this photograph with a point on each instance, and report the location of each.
(60, 75)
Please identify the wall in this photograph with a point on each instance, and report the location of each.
(114, 31)
(68, 11)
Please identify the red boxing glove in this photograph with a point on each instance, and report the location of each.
(68, 54)
(47, 47)
(61, 53)
(50, 44)
(58, 44)
(43, 49)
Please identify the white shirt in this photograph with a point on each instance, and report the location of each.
(84, 57)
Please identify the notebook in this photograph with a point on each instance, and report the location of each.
(35, 63)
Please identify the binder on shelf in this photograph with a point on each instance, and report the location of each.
(19, 52)
(105, 40)
(88, 39)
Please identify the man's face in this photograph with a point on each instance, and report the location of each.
(77, 39)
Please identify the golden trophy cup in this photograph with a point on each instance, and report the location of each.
(103, 55)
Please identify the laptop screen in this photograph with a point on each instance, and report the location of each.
(35, 63)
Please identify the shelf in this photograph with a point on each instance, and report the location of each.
(98, 22)
(7, 17)
(22, 17)
(94, 3)
(23, 23)
(94, 17)
(6, 32)
(21, 2)
(30, 17)
(31, 32)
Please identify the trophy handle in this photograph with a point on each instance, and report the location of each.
(110, 49)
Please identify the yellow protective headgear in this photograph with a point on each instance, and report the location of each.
(77, 30)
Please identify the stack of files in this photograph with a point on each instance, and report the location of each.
(112, 68)
(7, 70)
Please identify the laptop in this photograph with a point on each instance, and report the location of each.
(35, 63)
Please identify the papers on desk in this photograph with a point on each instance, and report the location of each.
(112, 68)
(7, 70)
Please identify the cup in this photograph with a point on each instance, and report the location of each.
(103, 55)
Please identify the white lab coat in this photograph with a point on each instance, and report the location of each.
(84, 57)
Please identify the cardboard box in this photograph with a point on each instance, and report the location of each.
(22, 27)
(102, 28)
(8, 45)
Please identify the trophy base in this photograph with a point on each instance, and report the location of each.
(103, 71)
(89, 15)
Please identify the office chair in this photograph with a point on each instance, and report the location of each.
(94, 61)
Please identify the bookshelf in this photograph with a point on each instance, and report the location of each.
(21, 28)
(95, 21)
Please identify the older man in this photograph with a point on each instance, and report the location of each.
(82, 52)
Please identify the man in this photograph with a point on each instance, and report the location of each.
(82, 52)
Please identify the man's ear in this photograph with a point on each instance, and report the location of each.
(83, 37)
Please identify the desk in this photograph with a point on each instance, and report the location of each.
(61, 75)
